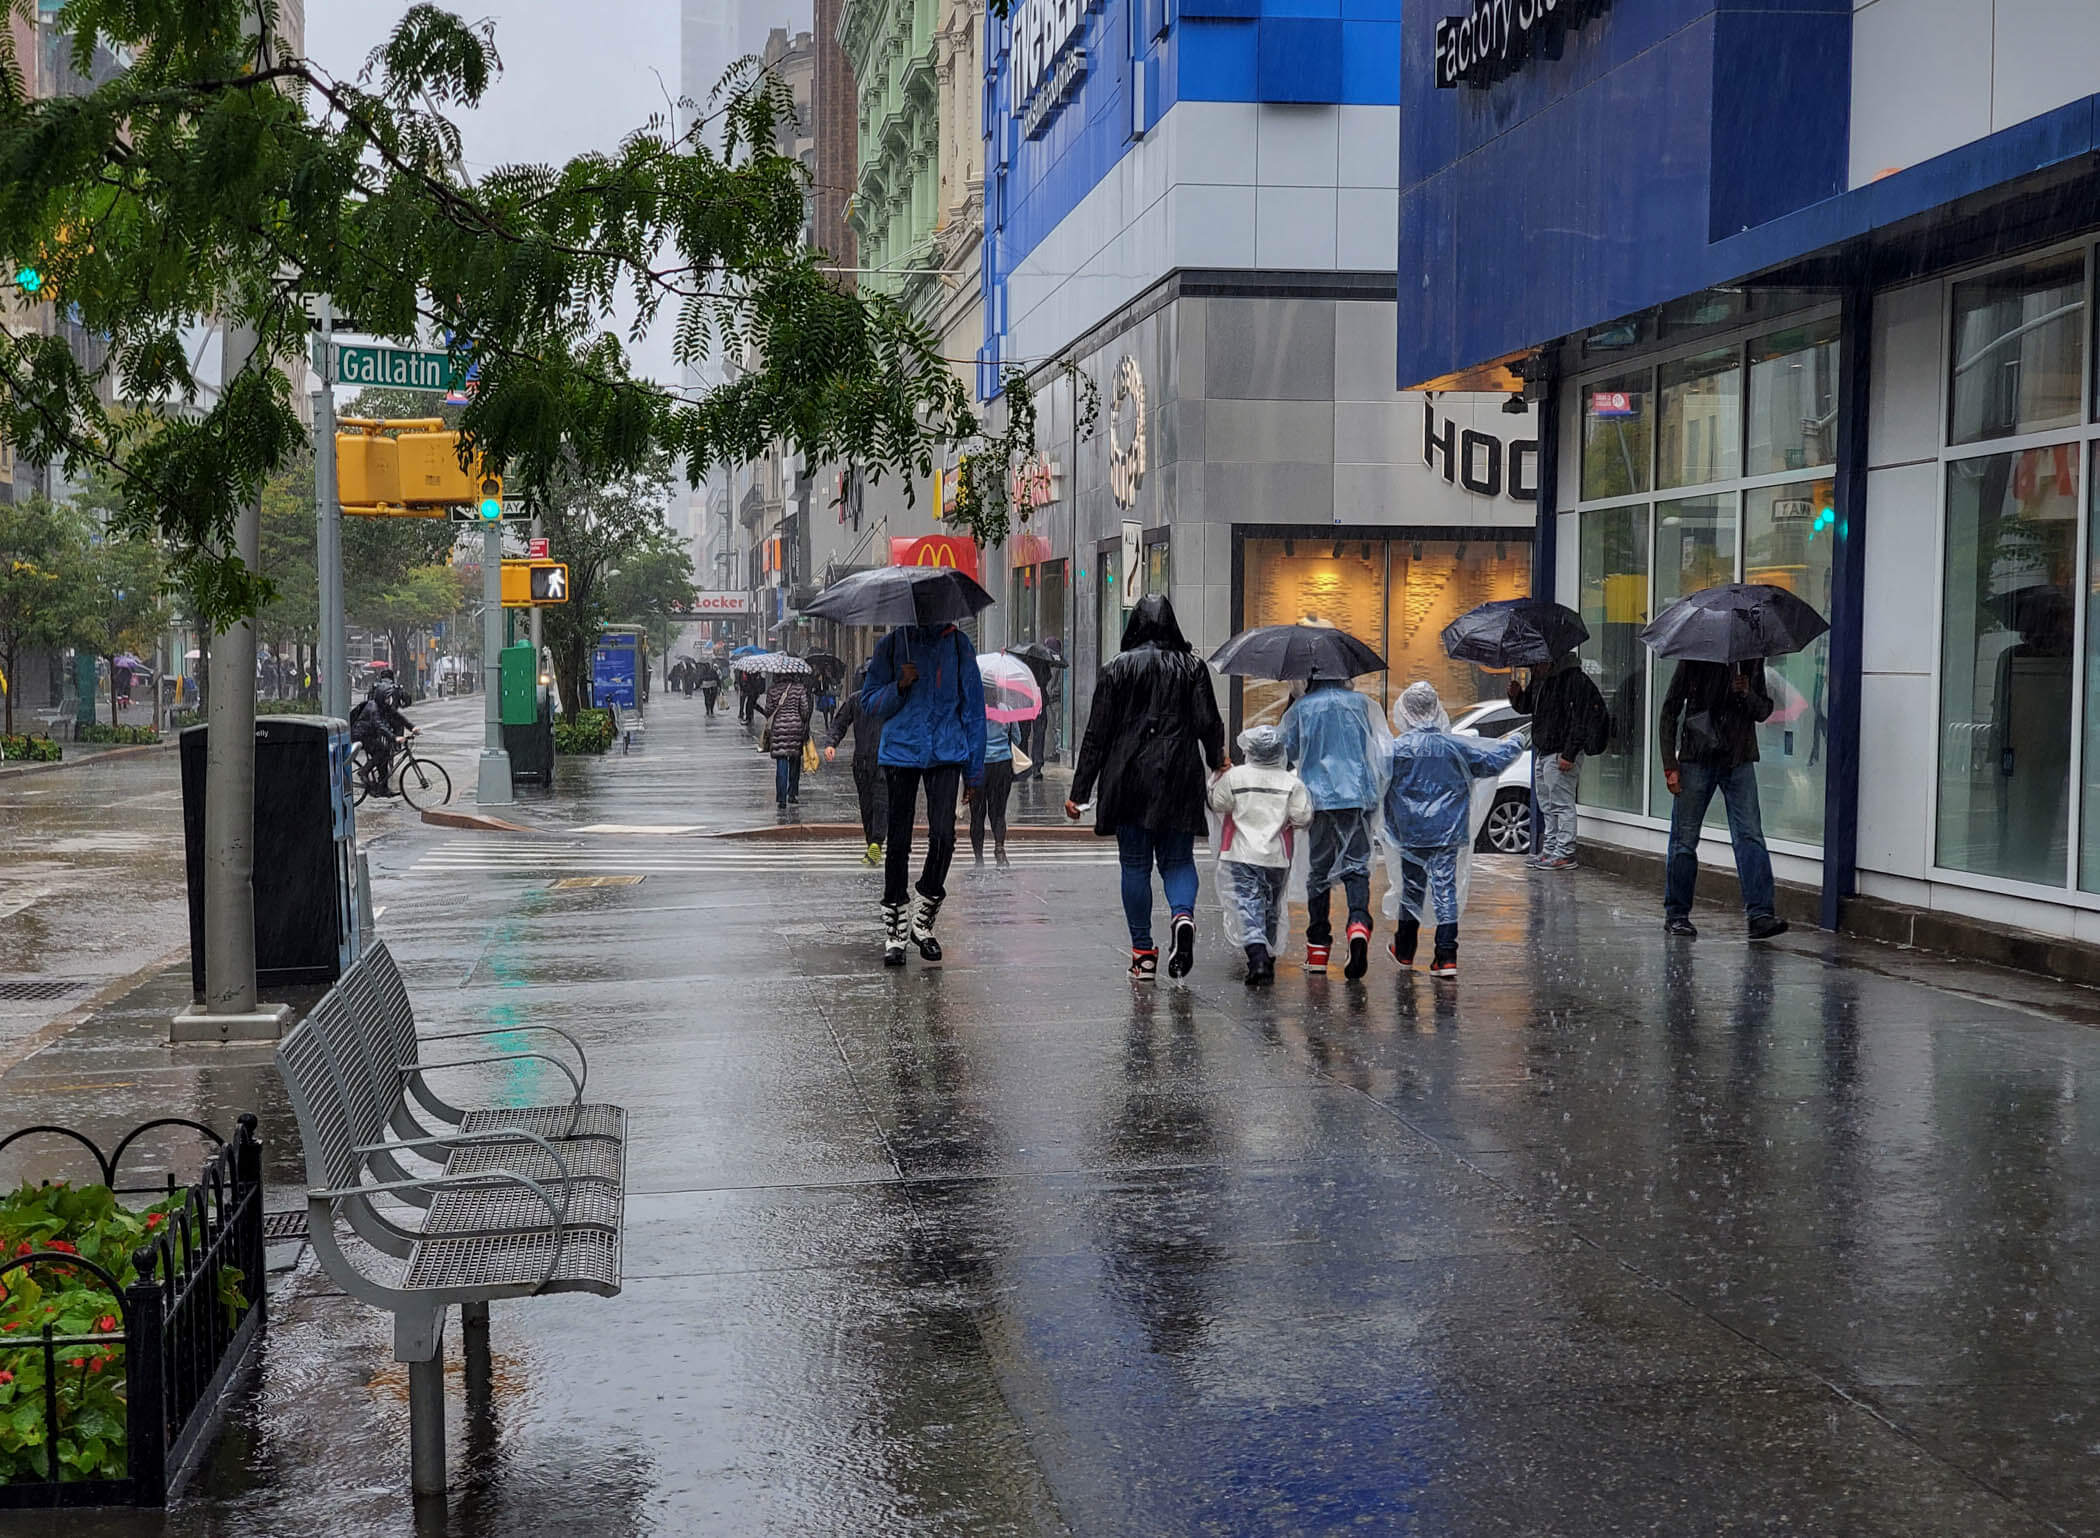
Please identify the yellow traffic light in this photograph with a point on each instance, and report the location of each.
(411, 466)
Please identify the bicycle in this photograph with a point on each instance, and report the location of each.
(414, 779)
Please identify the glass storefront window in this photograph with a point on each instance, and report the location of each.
(1613, 558)
(2019, 350)
(1617, 435)
(1159, 568)
(2006, 664)
(1793, 400)
(1700, 439)
(1051, 629)
(1396, 595)
(1020, 618)
(1694, 549)
(1789, 537)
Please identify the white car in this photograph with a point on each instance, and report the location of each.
(1501, 806)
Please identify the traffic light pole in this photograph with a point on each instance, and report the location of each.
(328, 525)
(493, 786)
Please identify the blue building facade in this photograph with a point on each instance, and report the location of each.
(1804, 292)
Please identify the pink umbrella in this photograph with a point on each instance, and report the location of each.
(1010, 690)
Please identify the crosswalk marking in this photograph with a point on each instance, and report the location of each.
(604, 856)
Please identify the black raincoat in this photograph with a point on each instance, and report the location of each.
(1153, 731)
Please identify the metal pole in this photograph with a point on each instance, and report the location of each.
(426, 1426)
(229, 785)
(493, 788)
(538, 529)
(328, 524)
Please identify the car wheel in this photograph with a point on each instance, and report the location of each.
(1507, 828)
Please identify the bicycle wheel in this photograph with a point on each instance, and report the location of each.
(424, 783)
(360, 775)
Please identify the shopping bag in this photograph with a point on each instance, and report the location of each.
(809, 755)
(1022, 763)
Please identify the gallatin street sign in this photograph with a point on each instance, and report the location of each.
(1499, 36)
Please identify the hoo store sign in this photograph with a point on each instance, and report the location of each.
(1045, 58)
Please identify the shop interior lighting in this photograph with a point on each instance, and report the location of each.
(1336, 553)
(1290, 548)
(1418, 550)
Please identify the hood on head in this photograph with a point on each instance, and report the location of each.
(1152, 622)
(1261, 745)
(1419, 708)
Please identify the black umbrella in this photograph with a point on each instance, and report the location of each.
(900, 595)
(827, 664)
(1515, 633)
(1733, 623)
(1295, 651)
(1036, 651)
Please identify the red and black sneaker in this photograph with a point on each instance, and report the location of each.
(1392, 949)
(1144, 966)
(1359, 961)
(1316, 958)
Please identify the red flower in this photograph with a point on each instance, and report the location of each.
(155, 1219)
(106, 1323)
(5, 1375)
(95, 1363)
(23, 1248)
(60, 1244)
(14, 1324)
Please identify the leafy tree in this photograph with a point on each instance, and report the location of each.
(648, 582)
(219, 173)
(43, 559)
(290, 622)
(122, 602)
(382, 590)
(419, 598)
(595, 526)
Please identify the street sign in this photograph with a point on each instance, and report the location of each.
(526, 583)
(1133, 563)
(536, 549)
(394, 366)
(514, 511)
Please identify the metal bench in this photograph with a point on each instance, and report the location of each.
(507, 1212)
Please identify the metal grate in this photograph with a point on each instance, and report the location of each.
(38, 990)
(552, 1121)
(500, 1208)
(587, 1159)
(590, 1262)
(284, 1227)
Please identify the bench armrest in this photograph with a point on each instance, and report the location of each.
(459, 1139)
(576, 1046)
(421, 1070)
(448, 1182)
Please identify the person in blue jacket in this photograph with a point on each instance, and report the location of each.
(924, 687)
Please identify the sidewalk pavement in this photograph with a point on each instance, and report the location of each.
(1613, 1235)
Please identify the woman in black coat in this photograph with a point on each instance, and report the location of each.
(1153, 733)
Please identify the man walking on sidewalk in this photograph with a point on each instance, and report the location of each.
(1708, 738)
(1332, 739)
(923, 686)
(1567, 719)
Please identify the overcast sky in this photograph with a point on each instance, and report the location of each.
(577, 75)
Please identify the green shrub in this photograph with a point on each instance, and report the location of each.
(34, 750)
(99, 732)
(85, 1221)
(178, 719)
(585, 731)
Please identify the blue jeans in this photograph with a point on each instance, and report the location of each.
(787, 777)
(1746, 830)
(1175, 854)
(1340, 853)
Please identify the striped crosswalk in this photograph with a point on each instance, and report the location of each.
(543, 860)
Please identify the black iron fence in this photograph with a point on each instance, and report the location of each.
(187, 1324)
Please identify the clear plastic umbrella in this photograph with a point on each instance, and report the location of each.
(1010, 690)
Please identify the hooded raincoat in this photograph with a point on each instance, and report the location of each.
(1153, 731)
(1429, 806)
(940, 718)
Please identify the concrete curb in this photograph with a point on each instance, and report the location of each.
(13, 770)
(476, 822)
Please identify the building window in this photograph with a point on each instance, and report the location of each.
(1763, 512)
(1614, 605)
(2006, 655)
(2018, 355)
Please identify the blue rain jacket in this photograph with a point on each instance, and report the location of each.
(998, 742)
(938, 720)
(1430, 802)
(1331, 741)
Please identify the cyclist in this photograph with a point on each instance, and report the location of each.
(378, 723)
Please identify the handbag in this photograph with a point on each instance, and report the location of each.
(809, 755)
(1698, 739)
(1022, 763)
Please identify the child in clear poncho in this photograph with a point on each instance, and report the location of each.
(1262, 804)
(1429, 821)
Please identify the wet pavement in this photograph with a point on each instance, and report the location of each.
(1608, 1237)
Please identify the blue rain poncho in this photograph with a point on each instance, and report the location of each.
(1429, 802)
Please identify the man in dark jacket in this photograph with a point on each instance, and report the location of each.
(869, 784)
(1563, 705)
(924, 687)
(1708, 736)
(1153, 731)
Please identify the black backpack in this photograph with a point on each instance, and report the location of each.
(1595, 720)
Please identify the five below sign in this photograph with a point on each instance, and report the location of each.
(392, 366)
(1498, 36)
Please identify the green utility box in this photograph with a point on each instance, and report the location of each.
(520, 705)
(85, 675)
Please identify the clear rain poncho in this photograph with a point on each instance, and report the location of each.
(1428, 831)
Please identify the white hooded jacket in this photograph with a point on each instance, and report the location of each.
(1261, 804)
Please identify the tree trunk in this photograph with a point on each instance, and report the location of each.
(111, 659)
(14, 682)
(572, 668)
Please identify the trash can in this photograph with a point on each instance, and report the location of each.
(531, 746)
(306, 923)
